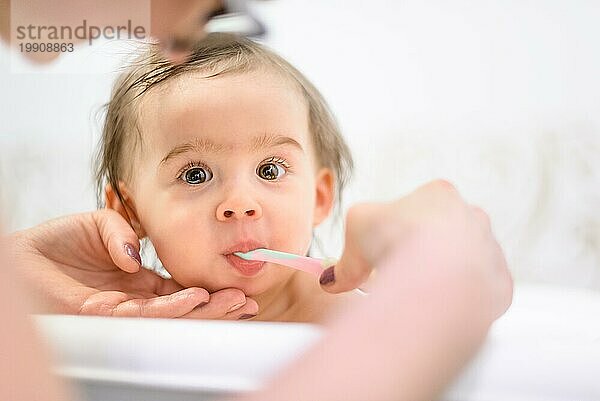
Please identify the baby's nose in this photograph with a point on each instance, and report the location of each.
(231, 213)
(238, 209)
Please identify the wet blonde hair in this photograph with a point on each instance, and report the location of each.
(216, 55)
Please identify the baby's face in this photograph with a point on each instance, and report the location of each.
(227, 164)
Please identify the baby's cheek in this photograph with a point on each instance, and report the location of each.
(182, 248)
(186, 262)
(294, 230)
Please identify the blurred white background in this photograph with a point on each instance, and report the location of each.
(500, 97)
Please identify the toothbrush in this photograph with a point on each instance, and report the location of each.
(307, 264)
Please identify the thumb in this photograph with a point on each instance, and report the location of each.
(353, 268)
(349, 273)
(120, 240)
(361, 249)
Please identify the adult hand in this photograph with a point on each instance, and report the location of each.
(441, 281)
(433, 219)
(89, 264)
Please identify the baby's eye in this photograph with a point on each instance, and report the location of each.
(270, 171)
(195, 175)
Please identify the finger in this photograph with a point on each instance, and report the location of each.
(439, 193)
(120, 240)
(166, 306)
(505, 282)
(343, 277)
(180, 26)
(353, 268)
(248, 311)
(222, 302)
(116, 303)
(482, 217)
(177, 51)
(439, 185)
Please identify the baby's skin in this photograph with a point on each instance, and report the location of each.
(228, 164)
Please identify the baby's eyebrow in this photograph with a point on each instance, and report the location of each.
(269, 141)
(197, 145)
(207, 146)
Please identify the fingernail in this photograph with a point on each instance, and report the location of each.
(236, 306)
(327, 277)
(200, 305)
(132, 253)
(246, 316)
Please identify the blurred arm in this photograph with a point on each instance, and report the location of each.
(24, 362)
(407, 341)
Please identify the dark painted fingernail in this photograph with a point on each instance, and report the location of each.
(200, 305)
(132, 253)
(246, 316)
(328, 276)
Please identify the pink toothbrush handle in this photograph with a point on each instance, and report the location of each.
(303, 263)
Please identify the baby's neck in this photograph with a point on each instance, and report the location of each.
(279, 303)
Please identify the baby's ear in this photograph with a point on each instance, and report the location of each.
(324, 195)
(125, 208)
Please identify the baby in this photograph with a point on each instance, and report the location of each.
(230, 151)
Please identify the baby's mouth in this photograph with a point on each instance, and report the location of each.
(247, 268)
(244, 246)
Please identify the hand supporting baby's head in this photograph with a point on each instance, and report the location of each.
(230, 151)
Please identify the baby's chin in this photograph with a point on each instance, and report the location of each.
(253, 286)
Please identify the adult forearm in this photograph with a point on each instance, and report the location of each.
(24, 362)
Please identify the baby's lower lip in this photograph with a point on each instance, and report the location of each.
(246, 267)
